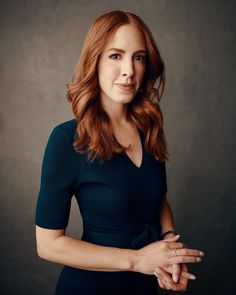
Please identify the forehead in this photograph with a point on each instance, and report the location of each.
(127, 37)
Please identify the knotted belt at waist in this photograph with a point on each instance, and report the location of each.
(132, 237)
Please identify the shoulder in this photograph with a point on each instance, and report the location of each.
(59, 149)
(66, 130)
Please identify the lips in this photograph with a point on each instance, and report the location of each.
(126, 86)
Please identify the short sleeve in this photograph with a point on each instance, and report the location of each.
(58, 177)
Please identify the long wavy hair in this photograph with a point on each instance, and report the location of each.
(94, 131)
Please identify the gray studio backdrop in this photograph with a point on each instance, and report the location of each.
(40, 44)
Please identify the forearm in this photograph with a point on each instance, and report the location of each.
(166, 217)
(85, 255)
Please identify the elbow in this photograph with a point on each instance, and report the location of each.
(45, 242)
(48, 251)
(44, 248)
(41, 252)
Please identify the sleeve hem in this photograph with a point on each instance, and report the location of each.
(47, 226)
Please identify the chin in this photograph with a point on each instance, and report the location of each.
(126, 99)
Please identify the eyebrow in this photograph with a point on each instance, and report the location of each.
(123, 51)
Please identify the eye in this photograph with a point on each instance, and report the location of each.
(114, 55)
(141, 58)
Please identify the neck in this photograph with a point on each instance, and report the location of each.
(116, 111)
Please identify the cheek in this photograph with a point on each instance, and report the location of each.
(141, 73)
(107, 77)
(109, 70)
(140, 70)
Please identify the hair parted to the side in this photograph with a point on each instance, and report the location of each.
(94, 129)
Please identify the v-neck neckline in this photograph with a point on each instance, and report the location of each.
(142, 153)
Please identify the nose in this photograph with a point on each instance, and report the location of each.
(127, 68)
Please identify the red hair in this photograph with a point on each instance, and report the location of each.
(94, 130)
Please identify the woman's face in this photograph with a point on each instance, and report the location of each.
(122, 61)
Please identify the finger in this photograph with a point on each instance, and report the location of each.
(183, 282)
(164, 277)
(181, 286)
(175, 238)
(186, 253)
(173, 245)
(188, 275)
(176, 268)
(165, 286)
(189, 252)
(172, 286)
(184, 267)
(160, 283)
(184, 259)
(184, 272)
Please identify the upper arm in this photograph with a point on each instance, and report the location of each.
(57, 186)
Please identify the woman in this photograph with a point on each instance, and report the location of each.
(111, 157)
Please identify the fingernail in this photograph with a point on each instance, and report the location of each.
(199, 259)
(175, 278)
(155, 274)
(202, 253)
(192, 277)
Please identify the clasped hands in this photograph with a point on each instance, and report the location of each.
(174, 277)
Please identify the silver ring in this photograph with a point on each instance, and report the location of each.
(175, 252)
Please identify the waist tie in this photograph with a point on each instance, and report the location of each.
(134, 237)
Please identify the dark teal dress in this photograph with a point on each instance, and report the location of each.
(119, 204)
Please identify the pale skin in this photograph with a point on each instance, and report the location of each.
(117, 66)
(179, 279)
(54, 245)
